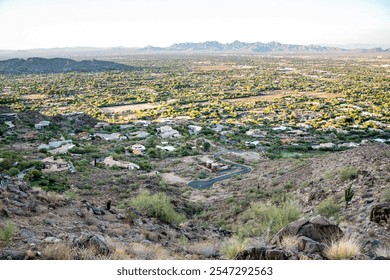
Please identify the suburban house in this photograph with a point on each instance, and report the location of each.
(42, 124)
(8, 117)
(9, 124)
(110, 137)
(139, 134)
(54, 144)
(126, 126)
(215, 166)
(166, 148)
(167, 131)
(51, 165)
(109, 161)
(194, 129)
(142, 123)
(219, 127)
(138, 149)
(101, 125)
(63, 149)
(323, 146)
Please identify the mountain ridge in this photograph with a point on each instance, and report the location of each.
(186, 47)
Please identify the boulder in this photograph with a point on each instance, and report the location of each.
(309, 246)
(275, 254)
(262, 253)
(380, 213)
(317, 228)
(256, 253)
(95, 241)
(12, 255)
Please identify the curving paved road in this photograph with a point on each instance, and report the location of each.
(205, 184)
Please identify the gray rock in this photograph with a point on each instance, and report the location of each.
(12, 255)
(263, 253)
(309, 246)
(98, 211)
(16, 203)
(317, 228)
(380, 213)
(96, 241)
(275, 254)
(255, 253)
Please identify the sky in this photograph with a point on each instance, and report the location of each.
(26, 24)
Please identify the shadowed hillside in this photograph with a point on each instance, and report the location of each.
(37, 65)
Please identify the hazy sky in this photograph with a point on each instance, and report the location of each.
(137, 23)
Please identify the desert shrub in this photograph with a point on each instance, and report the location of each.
(54, 198)
(231, 247)
(329, 208)
(385, 195)
(202, 175)
(263, 219)
(145, 165)
(8, 233)
(33, 175)
(71, 194)
(157, 205)
(348, 173)
(343, 249)
(13, 171)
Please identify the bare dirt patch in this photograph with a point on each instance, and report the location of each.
(33, 97)
(132, 107)
(251, 157)
(172, 178)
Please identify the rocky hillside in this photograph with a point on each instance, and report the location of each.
(38, 65)
(92, 225)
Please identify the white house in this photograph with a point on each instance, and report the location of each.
(51, 165)
(194, 129)
(166, 148)
(63, 149)
(323, 146)
(110, 137)
(109, 161)
(138, 149)
(168, 132)
(42, 124)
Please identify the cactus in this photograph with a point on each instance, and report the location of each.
(348, 195)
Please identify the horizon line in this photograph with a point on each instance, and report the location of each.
(346, 46)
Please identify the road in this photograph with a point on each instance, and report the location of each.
(205, 184)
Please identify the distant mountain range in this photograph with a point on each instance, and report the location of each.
(237, 46)
(203, 47)
(37, 65)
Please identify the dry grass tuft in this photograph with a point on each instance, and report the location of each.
(119, 254)
(59, 251)
(233, 246)
(205, 249)
(54, 198)
(148, 252)
(344, 249)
